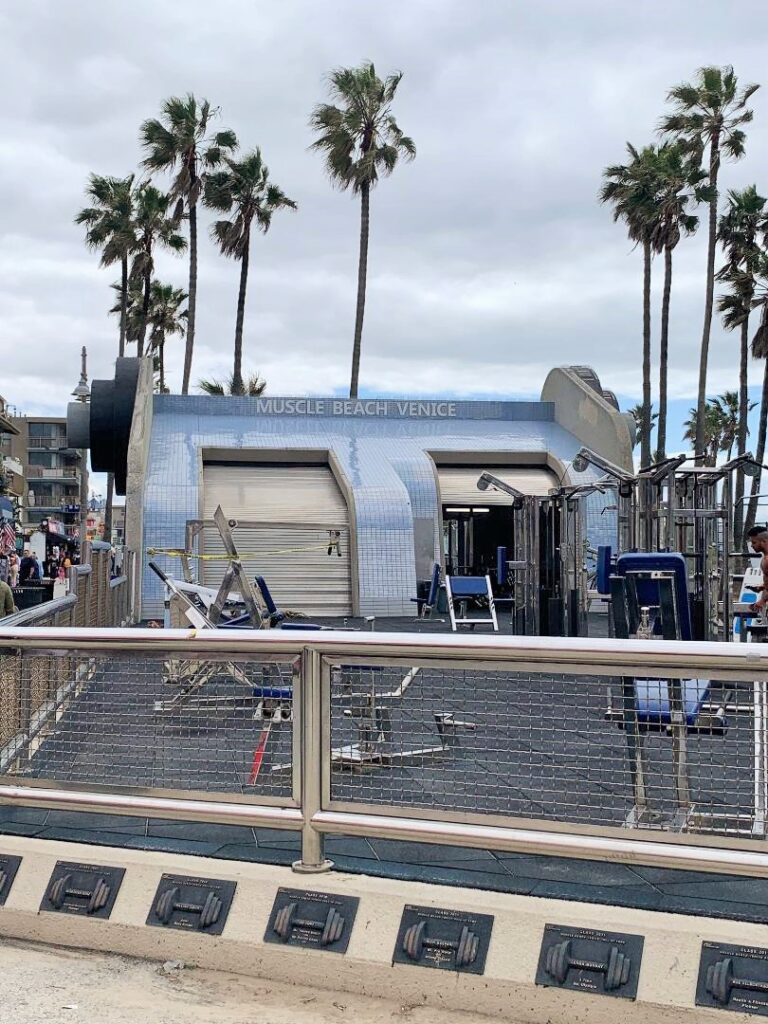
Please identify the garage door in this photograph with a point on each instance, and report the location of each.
(292, 557)
(458, 484)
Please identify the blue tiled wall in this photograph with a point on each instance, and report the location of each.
(382, 455)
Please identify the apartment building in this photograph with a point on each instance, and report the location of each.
(52, 474)
(11, 471)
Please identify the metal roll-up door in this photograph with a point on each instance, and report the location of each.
(293, 558)
(458, 484)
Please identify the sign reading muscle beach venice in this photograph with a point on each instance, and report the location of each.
(355, 407)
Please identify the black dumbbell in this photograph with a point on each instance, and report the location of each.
(559, 961)
(61, 889)
(721, 981)
(331, 929)
(169, 902)
(416, 940)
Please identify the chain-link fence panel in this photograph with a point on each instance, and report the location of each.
(213, 726)
(682, 755)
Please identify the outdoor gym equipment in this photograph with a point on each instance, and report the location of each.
(649, 599)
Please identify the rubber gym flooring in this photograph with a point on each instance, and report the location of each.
(566, 763)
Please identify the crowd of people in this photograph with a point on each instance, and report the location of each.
(27, 570)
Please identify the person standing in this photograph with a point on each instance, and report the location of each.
(27, 567)
(7, 605)
(13, 570)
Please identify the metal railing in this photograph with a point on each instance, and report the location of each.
(52, 472)
(93, 600)
(640, 752)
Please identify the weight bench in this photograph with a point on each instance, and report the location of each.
(463, 589)
(647, 570)
(649, 597)
(424, 605)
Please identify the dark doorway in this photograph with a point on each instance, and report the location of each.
(471, 536)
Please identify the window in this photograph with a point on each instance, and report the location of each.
(45, 459)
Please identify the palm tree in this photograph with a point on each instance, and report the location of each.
(252, 387)
(245, 190)
(361, 141)
(760, 351)
(741, 224)
(720, 427)
(110, 227)
(709, 113)
(728, 406)
(679, 183)
(165, 319)
(155, 227)
(134, 301)
(636, 412)
(179, 141)
(632, 189)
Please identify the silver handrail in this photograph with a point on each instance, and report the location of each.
(579, 655)
(321, 649)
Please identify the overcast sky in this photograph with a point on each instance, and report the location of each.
(490, 258)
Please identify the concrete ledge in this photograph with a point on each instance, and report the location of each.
(506, 990)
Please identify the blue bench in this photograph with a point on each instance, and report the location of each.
(470, 588)
(424, 605)
(653, 705)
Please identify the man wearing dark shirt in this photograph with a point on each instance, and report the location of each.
(28, 569)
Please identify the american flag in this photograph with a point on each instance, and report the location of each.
(7, 536)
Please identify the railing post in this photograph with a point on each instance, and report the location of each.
(311, 721)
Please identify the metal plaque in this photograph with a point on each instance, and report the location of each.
(451, 940)
(196, 904)
(8, 868)
(589, 960)
(87, 889)
(733, 978)
(320, 920)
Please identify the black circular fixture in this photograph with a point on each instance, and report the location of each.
(110, 415)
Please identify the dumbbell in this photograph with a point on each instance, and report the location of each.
(169, 902)
(416, 940)
(721, 981)
(331, 929)
(559, 961)
(97, 899)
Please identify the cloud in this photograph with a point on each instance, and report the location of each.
(490, 258)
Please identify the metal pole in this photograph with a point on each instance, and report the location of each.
(311, 721)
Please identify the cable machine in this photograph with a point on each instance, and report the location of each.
(675, 506)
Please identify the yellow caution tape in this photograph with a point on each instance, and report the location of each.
(181, 553)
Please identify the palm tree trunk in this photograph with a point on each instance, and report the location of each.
(161, 354)
(645, 437)
(362, 274)
(661, 435)
(760, 450)
(701, 400)
(192, 299)
(144, 310)
(738, 513)
(123, 306)
(237, 372)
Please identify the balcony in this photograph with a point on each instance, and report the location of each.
(54, 473)
(54, 441)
